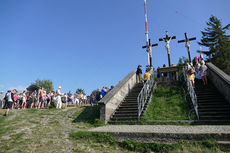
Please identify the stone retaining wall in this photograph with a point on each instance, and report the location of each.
(220, 79)
(113, 99)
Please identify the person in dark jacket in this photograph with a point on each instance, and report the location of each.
(139, 74)
(98, 95)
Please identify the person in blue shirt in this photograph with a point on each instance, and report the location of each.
(70, 98)
(103, 91)
(111, 88)
(91, 100)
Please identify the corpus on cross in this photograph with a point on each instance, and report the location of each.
(167, 40)
(149, 50)
(187, 44)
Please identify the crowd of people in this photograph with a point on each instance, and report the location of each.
(41, 99)
(197, 72)
(100, 94)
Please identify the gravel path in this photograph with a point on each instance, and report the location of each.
(163, 129)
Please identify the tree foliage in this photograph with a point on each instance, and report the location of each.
(46, 84)
(215, 38)
(182, 61)
(80, 90)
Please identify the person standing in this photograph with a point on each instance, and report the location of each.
(165, 74)
(139, 74)
(98, 95)
(203, 72)
(34, 99)
(91, 101)
(70, 98)
(1, 99)
(103, 91)
(191, 74)
(41, 97)
(24, 100)
(147, 75)
(9, 98)
(59, 103)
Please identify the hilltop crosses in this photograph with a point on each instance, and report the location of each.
(187, 44)
(149, 50)
(167, 40)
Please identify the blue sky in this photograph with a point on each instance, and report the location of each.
(89, 44)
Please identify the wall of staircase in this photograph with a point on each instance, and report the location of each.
(128, 110)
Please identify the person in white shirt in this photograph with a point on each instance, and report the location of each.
(59, 103)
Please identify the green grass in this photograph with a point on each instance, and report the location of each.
(94, 139)
(168, 103)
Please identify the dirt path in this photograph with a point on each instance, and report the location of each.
(38, 131)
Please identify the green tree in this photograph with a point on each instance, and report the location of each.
(80, 90)
(46, 84)
(182, 61)
(215, 38)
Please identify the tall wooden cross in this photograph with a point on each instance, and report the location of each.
(187, 44)
(149, 50)
(167, 40)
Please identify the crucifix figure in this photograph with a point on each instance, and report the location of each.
(187, 44)
(149, 50)
(167, 40)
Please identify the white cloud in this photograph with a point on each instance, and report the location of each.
(19, 88)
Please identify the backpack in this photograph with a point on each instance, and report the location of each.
(6, 97)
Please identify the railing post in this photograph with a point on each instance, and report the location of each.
(192, 93)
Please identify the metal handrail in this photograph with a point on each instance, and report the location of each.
(144, 94)
(191, 92)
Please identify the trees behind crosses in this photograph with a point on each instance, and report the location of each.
(46, 84)
(215, 38)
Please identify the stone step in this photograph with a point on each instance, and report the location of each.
(208, 93)
(210, 117)
(124, 118)
(214, 109)
(127, 108)
(212, 105)
(212, 102)
(216, 113)
(129, 103)
(126, 111)
(125, 115)
(168, 133)
(211, 98)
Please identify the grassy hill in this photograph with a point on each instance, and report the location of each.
(168, 103)
(65, 130)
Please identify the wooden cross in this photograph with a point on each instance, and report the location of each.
(149, 50)
(187, 44)
(167, 39)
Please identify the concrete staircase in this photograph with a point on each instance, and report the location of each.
(128, 110)
(211, 104)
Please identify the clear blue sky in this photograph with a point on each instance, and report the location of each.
(93, 43)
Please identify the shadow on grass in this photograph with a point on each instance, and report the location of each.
(89, 114)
